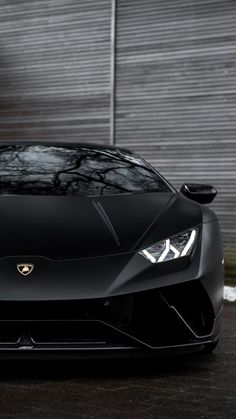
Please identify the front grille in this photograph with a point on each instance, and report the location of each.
(172, 315)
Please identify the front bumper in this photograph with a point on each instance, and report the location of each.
(174, 319)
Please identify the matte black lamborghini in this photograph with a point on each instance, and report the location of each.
(101, 256)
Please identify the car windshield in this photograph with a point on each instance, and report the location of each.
(74, 170)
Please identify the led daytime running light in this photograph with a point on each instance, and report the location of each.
(172, 248)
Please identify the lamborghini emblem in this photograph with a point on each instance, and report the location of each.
(25, 268)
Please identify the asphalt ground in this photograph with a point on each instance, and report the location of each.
(196, 386)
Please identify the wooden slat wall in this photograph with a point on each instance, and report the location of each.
(55, 69)
(176, 95)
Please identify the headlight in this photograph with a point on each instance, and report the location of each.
(173, 248)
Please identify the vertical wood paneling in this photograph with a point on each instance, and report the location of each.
(55, 69)
(176, 95)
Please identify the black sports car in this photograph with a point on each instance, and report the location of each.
(101, 256)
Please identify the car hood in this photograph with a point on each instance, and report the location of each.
(63, 228)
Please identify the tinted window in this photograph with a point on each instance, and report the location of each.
(77, 170)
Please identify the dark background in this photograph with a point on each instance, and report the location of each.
(175, 94)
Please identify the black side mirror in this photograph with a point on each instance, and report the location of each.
(204, 194)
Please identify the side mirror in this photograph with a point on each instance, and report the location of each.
(204, 194)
